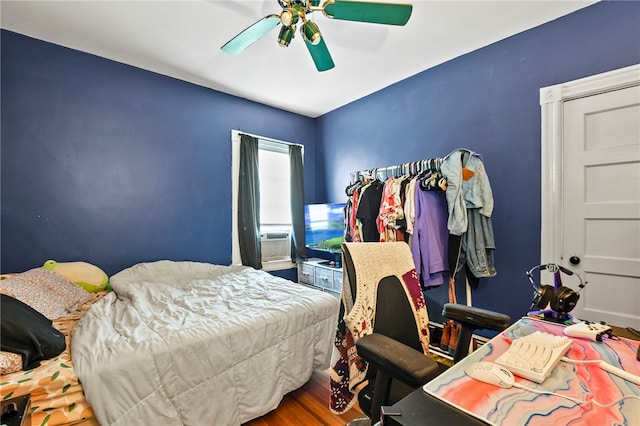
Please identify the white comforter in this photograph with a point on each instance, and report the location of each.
(199, 344)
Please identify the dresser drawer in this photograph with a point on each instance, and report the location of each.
(324, 278)
(337, 281)
(306, 273)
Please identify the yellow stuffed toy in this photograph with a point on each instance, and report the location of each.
(86, 275)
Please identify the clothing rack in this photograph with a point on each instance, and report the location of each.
(429, 176)
(411, 168)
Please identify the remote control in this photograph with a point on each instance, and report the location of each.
(588, 330)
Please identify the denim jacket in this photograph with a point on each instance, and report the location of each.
(462, 194)
(478, 245)
(470, 205)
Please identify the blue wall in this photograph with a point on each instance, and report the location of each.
(487, 101)
(115, 165)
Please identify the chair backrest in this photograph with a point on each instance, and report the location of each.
(350, 272)
(394, 316)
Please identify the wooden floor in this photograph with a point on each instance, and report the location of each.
(307, 406)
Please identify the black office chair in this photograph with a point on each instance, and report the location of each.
(394, 352)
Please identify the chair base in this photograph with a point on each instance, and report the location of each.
(360, 421)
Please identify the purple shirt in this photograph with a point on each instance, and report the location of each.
(430, 236)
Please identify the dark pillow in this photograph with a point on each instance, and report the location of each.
(27, 332)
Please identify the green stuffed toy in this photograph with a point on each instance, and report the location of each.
(86, 275)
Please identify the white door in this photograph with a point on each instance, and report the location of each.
(597, 186)
(601, 190)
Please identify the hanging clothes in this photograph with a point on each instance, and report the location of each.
(367, 211)
(401, 223)
(409, 205)
(470, 205)
(349, 210)
(467, 187)
(398, 210)
(429, 241)
(356, 236)
(444, 239)
(391, 213)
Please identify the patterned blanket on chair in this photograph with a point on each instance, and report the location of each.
(372, 262)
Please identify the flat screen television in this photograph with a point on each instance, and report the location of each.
(324, 226)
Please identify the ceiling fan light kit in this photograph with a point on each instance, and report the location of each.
(311, 32)
(290, 16)
(285, 36)
(294, 11)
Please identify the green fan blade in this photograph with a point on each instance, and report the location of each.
(251, 34)
(320, 55)
(377, 13)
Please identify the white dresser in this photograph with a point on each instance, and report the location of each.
(320, 274)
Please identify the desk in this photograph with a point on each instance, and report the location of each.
(478, 403)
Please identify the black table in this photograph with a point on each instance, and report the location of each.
(421, 409)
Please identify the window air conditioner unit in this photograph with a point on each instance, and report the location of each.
(275, 246)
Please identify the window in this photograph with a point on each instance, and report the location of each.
(275, 199)
(275, 194)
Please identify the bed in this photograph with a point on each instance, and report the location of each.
(194, 343)
(56, 393)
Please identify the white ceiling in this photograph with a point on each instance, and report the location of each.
(182, 39)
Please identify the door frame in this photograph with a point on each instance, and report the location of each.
(552, 99)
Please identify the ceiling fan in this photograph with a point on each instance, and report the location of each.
(297, 11)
